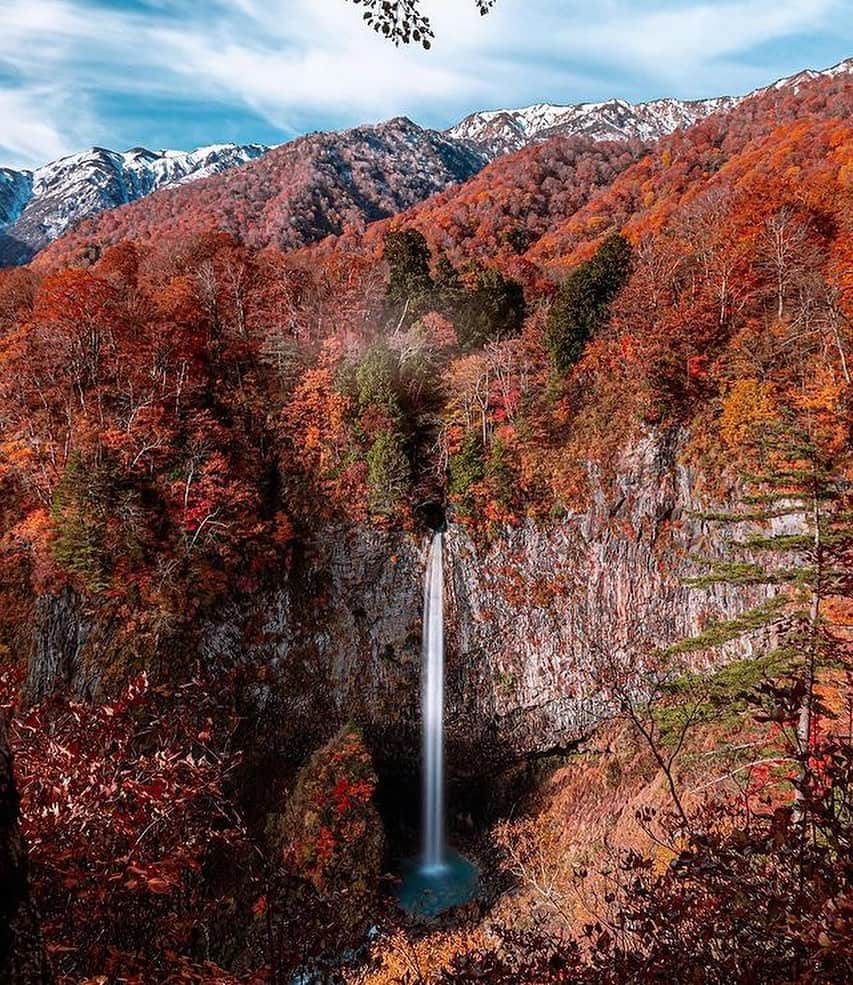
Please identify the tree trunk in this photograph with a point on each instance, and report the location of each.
(804, 721)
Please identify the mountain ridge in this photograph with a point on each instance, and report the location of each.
(502, 131)
(38, 206)
(298, 192)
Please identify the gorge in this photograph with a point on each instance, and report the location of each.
(512, 524)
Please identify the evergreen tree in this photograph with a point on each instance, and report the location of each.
(388, 473)
(381, 427)
(520, 239)
(492, 309)
(448, 286)
(376, 382)
(78, 525)
(798, 541)
(466, 470)
(410, 284)
(582, 305)
(499, 475)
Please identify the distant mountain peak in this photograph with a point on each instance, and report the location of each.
(37, 206)
(501, 131)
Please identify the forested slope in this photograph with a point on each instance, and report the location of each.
(215, 456)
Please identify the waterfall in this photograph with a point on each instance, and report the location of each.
(439, 878)
(433, 709)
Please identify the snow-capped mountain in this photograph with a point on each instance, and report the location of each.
(37, 206)
(502, 131)
(297, 193)
(396, 165)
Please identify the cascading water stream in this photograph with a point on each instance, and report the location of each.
(439, 878)
(433, 709)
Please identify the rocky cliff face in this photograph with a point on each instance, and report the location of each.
(530, 617)
(537, 617)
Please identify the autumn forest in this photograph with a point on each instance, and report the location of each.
(617, 373)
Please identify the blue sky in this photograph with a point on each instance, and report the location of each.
(180, 73)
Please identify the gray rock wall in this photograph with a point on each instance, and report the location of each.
(528, 618)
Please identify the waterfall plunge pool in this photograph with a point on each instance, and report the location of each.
(429, 890)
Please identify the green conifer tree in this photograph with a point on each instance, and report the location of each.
(410, 287)
(582, 305)
(388, 473)
(796, 539)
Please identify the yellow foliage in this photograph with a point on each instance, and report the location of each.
(401, 957)
(749, 405)
(35, 528)
(820, 402)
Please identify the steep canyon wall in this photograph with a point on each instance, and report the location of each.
(531, 616)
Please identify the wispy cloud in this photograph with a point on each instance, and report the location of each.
(78, 71)
(683, 43)
(40, 123)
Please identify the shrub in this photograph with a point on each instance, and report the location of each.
(331, 834)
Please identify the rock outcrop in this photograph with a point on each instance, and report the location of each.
(536, 617)
(529, 616)
(61, 634)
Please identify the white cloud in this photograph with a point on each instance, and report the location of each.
(299, 63)
(40, 124)
(680, 42)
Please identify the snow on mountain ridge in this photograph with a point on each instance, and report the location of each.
(502, 131)
(37, 206)
(147, 167)
(844, 67)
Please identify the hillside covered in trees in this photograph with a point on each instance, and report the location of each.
(299, 192)
(197, 389)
